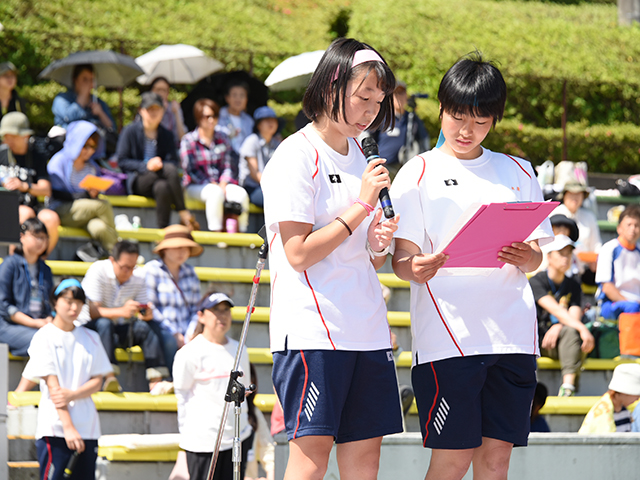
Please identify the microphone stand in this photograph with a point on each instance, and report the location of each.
(236, 390)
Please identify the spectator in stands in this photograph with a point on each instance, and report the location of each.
(618, 267)
(538, 423)
(119, 311)
(257, 150)
(208, 176)
(573, 195)
(25, 285)
(77, 206)
(70, 363)
(561, 225)
(23, 167)
(173, 288)
(146, 152)
(78, 103)
(9, 99)
(234, 119)
(201, 374)
(172, 120)
(562, 334)
(610, 414)
(400, 144)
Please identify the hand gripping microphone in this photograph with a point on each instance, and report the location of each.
(370, 149)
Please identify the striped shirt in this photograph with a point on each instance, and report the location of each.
(101, 285)
(622, 420)
(175, 310)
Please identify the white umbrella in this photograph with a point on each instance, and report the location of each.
(295, 72)
(183, 64)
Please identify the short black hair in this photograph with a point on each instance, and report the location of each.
(158, 79)
(76, 292)
(327, 88)
(236, 83)
(632, 211)
(35, 226)
(124, 246)
(475, 87)
(78, 69)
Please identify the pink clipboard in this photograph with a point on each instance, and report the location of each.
(477, 243)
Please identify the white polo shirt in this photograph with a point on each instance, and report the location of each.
(621, 267)
(337, 303)
(467, 314)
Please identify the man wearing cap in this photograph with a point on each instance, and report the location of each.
(562, 334)
(120, 313)
(408, 137)
(146, 153)
(23, 168)
(257, 150)
(9, 99)
(610, 414)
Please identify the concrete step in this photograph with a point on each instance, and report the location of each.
(28, 470)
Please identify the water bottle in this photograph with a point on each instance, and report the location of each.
(136, 223)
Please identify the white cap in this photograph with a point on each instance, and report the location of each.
(559, 242)
(626, 379)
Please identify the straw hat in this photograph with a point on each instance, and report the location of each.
(176, 236)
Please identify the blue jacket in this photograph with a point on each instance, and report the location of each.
(66, 110)
(60, 165)
(15, 286)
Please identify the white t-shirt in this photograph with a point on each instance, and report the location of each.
(588, 231)
(254, 146)
(337, 303)
(74, 357)
(468, 314)
(200, 377)
(621, 267)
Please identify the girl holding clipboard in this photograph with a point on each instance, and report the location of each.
(474, 336)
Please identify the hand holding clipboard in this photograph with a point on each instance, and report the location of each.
(482, 231)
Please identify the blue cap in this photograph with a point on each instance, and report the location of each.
(264, 112)
(213, 300)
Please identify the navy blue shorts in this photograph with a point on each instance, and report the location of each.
(462, 399)
(349, 395)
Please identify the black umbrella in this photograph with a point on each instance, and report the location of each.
(111, 69)
(214, 87)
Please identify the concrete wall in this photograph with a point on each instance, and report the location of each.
(551, 456)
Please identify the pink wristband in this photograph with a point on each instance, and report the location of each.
(366, 206)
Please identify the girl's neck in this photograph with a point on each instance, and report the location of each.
(205, 135)
(31, 258)
(267, 138)
(326, 130)
(150, 132)
(5, 96)
(214, 337)
(234, 112)
(174, 269)
(64, 325)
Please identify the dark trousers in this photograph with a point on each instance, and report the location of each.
(142, 333)
(255, 195)
(164, 187)
(54, 455)
(198, 463)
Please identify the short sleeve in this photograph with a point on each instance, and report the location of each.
(41, 358)
(250, 146)
(184, 370)
(288, 184)
(100, 364)
(91, 283)
(539, 285)
(604, 269)
(576, 294)
(405, 197)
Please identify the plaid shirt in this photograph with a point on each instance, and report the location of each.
(204, 164)
(169, 304)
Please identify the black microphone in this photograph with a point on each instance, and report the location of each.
(370, 149)
(68, 471)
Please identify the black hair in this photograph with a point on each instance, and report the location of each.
(158, 79)
(326, 96)
(632, 211)
(36, 227)
(473, 86)
(236, 83)
(76, 292)
(78, 69)
(124, 246)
